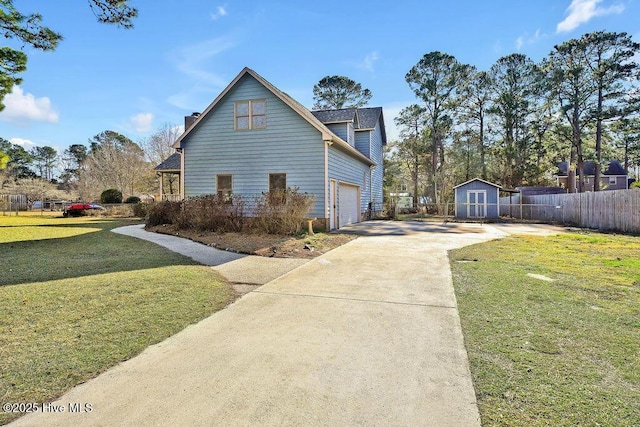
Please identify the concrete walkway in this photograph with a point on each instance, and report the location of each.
(366, 334)
(243, 271)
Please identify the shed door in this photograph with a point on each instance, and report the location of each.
(476, 203)
(348, 204)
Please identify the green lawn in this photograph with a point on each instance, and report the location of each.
(76, 299)
(560, 353)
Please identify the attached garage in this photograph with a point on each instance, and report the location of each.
(348, 204)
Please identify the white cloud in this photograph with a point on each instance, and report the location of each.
(582, 11)
(368, 61)
(519, 42)
(24, 143)
(23, 108)
(527, 39)
(194, 60)
(220, 12)
(142, 122)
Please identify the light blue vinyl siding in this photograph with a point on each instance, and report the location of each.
(377, 156)
(363, 142)
(369, 143)
(344, 168)
(289, 144)
(340, 129)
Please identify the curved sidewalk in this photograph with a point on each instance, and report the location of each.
(367, 334)
(238, 269)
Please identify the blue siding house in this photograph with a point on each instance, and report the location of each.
(477, 199)
(253, 138)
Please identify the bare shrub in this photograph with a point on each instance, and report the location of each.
(164, 212)
(213, 213)
(140, 209)
(118, 211)
(281, 211)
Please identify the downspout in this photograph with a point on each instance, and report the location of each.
(327, 188)
(182, 156)
(371, 210)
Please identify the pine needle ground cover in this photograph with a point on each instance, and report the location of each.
(76, 299)
(552, 328)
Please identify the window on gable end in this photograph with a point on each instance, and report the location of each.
(251, 114)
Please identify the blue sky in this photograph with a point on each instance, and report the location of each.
(182, 53)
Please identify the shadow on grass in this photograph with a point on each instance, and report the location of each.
(98, 252)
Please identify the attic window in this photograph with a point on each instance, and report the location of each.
(251, 114)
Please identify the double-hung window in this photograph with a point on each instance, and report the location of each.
(251, 114)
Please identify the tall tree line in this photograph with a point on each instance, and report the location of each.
(514, 123)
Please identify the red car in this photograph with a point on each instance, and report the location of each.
(79, 209)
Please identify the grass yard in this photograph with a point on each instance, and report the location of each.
(76, 299)
(564, 352)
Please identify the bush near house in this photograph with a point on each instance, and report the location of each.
(281, 212)
(277, 212)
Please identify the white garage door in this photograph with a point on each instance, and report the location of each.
(348, 204)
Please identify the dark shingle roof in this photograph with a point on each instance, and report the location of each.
(369, 117)
(335, 116)
(613, 168)
(172, 163)
(363, 118)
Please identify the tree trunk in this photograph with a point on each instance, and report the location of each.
(482, 162)
(596, 178)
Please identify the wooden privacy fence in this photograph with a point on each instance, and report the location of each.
(617, 210)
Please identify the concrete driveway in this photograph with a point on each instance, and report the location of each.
(366, 334)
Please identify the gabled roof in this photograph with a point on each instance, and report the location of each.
(362, 118)
(478, 179)
(173, 163)
(369, 118)
(613, 168)
(327, 134)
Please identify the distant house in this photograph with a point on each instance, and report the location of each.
(477, 199)
(170, 173)
(254, 138)
(613, 177)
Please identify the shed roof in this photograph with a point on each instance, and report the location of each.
(478, 179)
(172, 163)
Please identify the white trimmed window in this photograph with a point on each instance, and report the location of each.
(251, 114)
(613, 180)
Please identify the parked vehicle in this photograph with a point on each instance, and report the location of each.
(79, 209)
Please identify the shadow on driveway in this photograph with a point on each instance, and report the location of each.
(404, 228)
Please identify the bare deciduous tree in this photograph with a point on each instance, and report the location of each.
(114, 162)
(159, 146)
